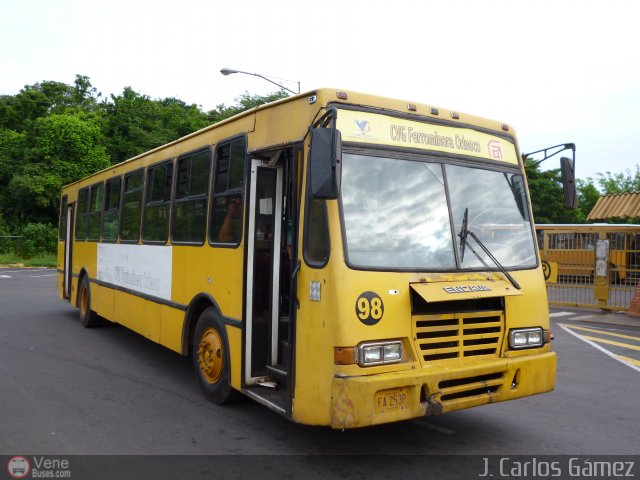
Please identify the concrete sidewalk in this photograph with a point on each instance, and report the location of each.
(598, 316)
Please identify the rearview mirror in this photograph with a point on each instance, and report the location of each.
(567, 168)
(325, 163)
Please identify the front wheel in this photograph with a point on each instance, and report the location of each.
(211, 358)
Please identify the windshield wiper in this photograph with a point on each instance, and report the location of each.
(464, 232)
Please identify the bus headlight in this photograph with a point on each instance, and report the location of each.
(379, 353)
(520, 338)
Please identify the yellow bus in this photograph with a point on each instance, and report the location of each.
(572, 247)
(332, 255)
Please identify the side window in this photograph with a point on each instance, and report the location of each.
(190, 207)
(131, 207)
(62, 231)
(228, 184)
(155, 223)
(82, 216)
(316, 233)
(95, 211)
(111, 214)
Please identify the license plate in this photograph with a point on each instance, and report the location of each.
(389, 400)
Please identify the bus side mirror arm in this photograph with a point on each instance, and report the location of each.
(567, 166)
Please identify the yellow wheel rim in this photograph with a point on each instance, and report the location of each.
(210, 354)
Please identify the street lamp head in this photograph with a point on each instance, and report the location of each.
(228, 71)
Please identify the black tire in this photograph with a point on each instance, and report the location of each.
(88, 318)
(210, 354)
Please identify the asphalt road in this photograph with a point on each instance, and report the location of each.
(66, 390)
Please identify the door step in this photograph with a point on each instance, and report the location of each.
(268, 384)
(278, 370)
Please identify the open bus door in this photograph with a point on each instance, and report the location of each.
(67, 240)
(269, 284)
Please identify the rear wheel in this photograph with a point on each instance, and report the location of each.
(211, 358)
(88, 318)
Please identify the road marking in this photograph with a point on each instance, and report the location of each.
(604, 332)
(431, 426)
(38, 276)
(560, 314)
(611, 342)
(583, 317)
(632, 361)
(29, 270)
(567, 328)
(5, 276)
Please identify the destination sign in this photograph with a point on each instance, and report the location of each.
(380, 129)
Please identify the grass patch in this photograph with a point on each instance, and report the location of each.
(47, 260)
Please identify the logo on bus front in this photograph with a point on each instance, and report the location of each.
(466, 289)
(364, 128)
(495, 149)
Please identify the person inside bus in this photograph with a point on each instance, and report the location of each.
(231, 229)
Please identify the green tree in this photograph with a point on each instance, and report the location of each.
(39, 239)
(246, 101)
(588, 195)
(45, 98)
(618, 183)
(64, 148)
(135, 123)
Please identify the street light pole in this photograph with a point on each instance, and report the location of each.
(229, 71)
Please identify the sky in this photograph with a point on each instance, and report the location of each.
(558, 71)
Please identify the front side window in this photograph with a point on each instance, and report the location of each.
(228, 184)
(316, 238)
(407, 214)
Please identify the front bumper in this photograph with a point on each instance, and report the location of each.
(438, 388)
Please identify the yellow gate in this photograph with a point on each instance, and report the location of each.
(568, 253)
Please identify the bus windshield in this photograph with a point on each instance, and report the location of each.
(396, 215)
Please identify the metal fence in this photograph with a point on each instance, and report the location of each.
(569, 257)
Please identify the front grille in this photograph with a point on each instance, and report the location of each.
(470, 334)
